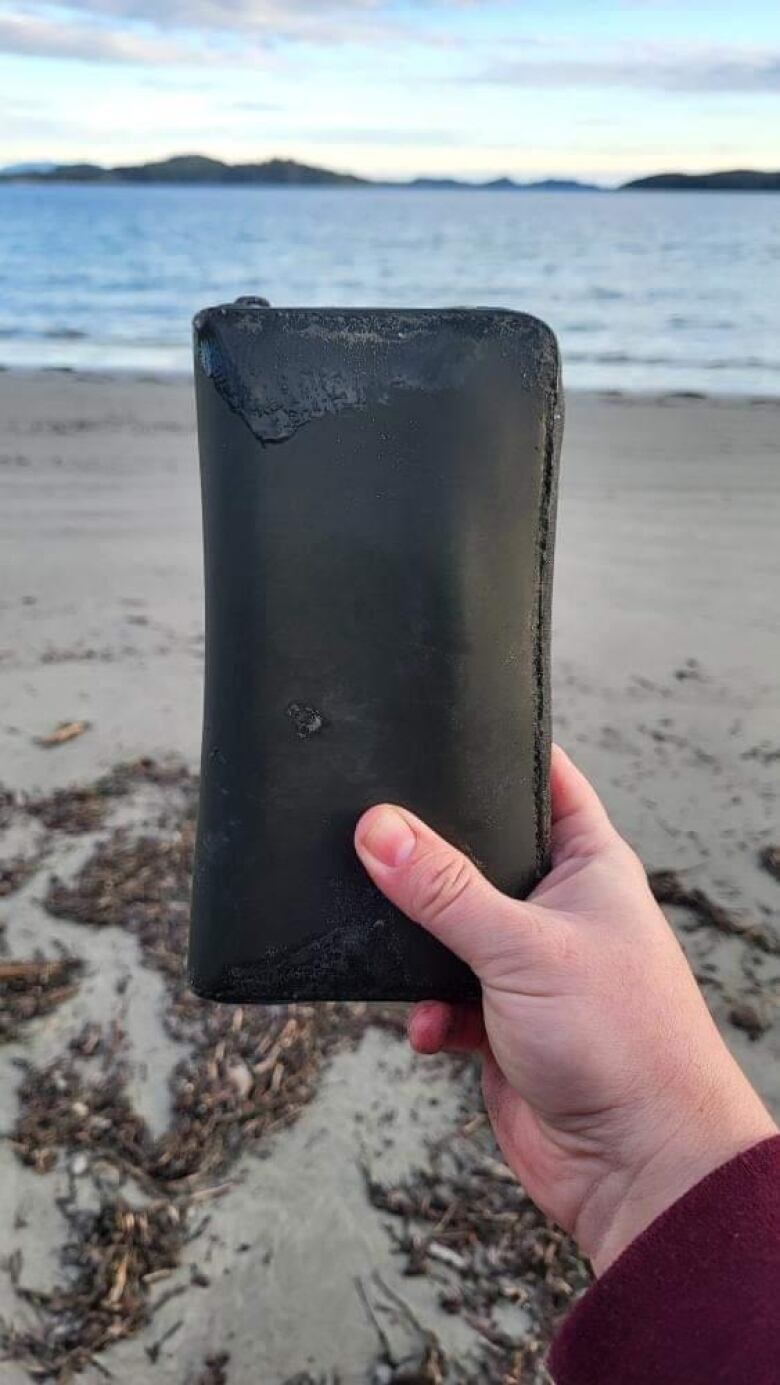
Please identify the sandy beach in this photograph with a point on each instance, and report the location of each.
(666, 692)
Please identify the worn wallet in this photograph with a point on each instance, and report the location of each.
(378, 512)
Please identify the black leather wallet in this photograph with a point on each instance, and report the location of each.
(378, 511)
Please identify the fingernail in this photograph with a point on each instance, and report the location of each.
(389, 838)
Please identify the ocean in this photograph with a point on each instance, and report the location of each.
(646, 291)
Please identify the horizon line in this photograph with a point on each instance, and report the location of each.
(42, 169)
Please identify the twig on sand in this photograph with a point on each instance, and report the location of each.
(66, 731)
(426, 1364)
(153, 1351)
(373, 1317)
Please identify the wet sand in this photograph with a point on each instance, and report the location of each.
(666, 691)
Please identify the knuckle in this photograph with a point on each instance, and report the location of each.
(442, 880)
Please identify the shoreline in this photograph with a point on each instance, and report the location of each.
(135, 374)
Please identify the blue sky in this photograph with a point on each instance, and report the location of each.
(468, 87)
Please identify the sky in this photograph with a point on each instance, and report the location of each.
(392, 89)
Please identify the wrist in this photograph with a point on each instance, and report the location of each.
(627, 1200)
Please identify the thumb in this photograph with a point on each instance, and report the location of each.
(439, 887)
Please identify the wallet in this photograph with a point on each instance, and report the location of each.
(378, 492)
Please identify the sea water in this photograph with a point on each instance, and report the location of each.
(648, 291)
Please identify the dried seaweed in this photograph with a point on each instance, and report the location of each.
(115, 1256)
(248, 1072)
(84, 809)
(306, 1378)
(7, 805)
(751, 1019)
(669, 888)
(15, 872)
(246, 1076)
(33, 987)
(59, 1111)
(71, 810)
(214, 1370)
(770, 860)
(466, 1223)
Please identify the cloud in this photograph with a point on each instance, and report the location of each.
(641, 67)
(31, 35)
(180, 31)
(392, 136)
(213, 33)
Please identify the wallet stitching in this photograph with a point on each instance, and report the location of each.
(542, 630)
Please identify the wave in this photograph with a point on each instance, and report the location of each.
(45, 334)
(673, 362)
(64, 334)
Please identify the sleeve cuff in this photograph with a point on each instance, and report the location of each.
(695, 1297)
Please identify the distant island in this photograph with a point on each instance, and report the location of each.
(731, 180)
(188, 169)
(196, 168)
(503, 184)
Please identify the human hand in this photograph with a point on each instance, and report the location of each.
(609, 1088)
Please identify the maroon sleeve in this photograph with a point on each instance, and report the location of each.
(694, 1300)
